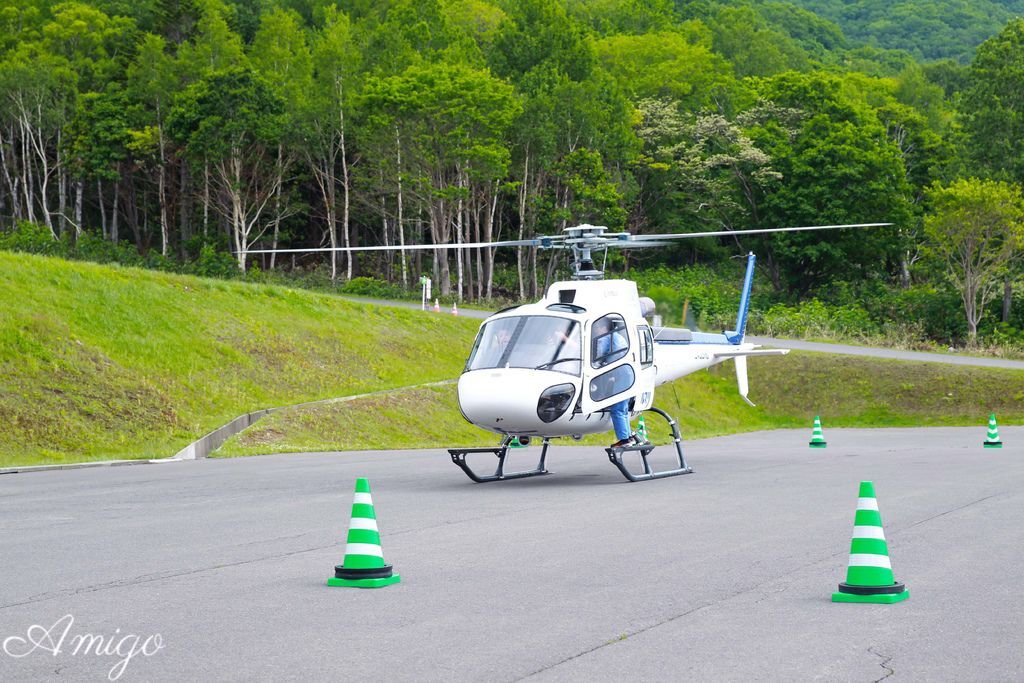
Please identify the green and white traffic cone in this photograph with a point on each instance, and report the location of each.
(363, 566)
(641, 430)
(869, 575)
(992, 440)
(817, 438)
(515, 443)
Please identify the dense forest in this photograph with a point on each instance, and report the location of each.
(929, 30)
(185, 134)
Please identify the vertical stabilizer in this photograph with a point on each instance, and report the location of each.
(741, 377)
(741, 318)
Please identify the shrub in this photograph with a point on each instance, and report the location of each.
(90, 247)
(213, 263)
(371, 286)
(713, 296)
(814, 319)
(32, 238)
(1005, 334)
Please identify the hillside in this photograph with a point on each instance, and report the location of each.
(100, 362)
(928, 29)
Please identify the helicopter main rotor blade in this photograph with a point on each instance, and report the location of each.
(618, 240)
(545, 242)
(726, 233)
(632, 244)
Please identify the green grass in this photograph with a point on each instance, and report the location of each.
(101, 362)
(847, 391)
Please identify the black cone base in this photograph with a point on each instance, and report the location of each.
(340, 572)
(871, 590)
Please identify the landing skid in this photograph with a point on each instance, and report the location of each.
(615, 455)
(459, 458)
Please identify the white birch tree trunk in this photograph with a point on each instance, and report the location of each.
(522, 224)
(489, 237)
(400, 221)
(115, 211)
(458, 238)
(103, 207)
(79, 191)
(206, 197)
(344, 180)
(28, 185)
(165, 237)
(62, 194)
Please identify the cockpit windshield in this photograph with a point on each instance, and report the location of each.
(537, 342)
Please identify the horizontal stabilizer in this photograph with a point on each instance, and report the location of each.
(751, 352)
(672, 334)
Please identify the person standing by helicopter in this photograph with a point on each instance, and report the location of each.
(610, 344)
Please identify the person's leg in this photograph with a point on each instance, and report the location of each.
(620, 419)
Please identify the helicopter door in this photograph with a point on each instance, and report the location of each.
(612, 369)
(647, 373)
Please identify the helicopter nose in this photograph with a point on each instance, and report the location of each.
(503, 399)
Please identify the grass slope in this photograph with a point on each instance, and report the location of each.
(847, 391)
(101, 362)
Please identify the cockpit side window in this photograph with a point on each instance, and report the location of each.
(609, 340)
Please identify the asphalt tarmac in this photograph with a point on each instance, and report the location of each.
(218, 568)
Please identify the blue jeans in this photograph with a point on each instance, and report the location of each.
(620, 419)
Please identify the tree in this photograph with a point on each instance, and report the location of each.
(701, 170)
(589, 195)
(98, 141)
(38, 93)
(724, 176)
(665, 64)
(215, 47)
(95, 45)
(280, 54)
(454, 122)
(993, 105)
(540, 32)
(234, 119)
(153, 83)
(744, 38)
(336, 61)
(837, 166)
(977, 228)
(625, 16)
(413, 31)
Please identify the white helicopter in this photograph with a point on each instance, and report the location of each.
(551, 369)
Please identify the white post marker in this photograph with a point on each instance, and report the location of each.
(425, 285)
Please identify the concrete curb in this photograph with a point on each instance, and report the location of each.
(202, 447)
(71, 466)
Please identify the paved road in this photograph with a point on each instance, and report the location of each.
(918, 356)
(724, 574)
